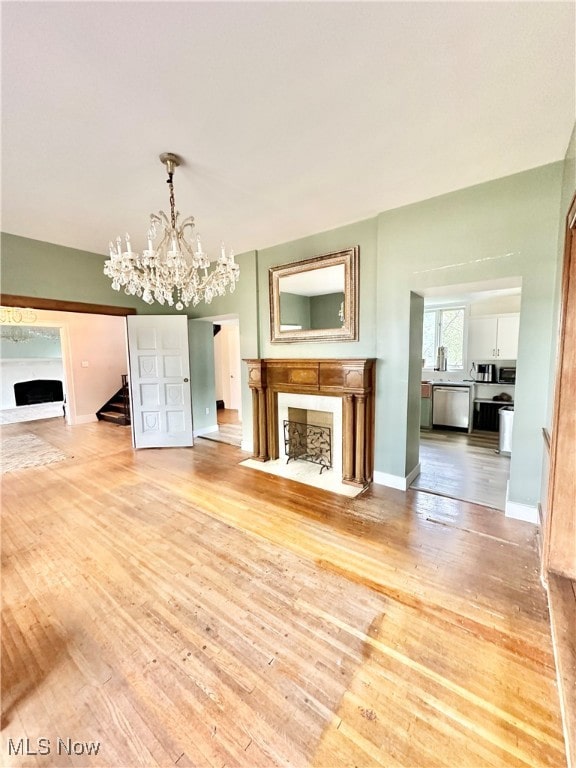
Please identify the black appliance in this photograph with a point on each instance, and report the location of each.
(485, 372)
(507, 376)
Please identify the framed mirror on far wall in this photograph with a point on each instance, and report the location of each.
(315, 299)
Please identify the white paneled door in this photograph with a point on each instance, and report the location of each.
(159, 381)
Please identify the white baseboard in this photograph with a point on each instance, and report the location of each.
(397, 481)
(247, 445)
(205, 430)
(86, 419)
(520, 511)
(412, 475)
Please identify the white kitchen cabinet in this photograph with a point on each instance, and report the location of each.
(493, 337)
(507, 337)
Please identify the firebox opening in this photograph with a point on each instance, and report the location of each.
(38, 391)
(308, 436)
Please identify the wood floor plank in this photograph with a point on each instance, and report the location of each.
(183, 610)
(463, 466)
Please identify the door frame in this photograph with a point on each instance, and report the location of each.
(57, 305)
(560, 502)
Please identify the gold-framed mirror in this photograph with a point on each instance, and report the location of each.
(315, 299)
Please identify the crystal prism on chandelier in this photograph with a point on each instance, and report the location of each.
(175, 271)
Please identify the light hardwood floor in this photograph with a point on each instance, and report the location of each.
(463, 466)
(183, 610)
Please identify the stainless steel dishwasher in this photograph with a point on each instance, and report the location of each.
(451, 407)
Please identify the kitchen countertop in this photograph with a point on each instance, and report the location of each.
(438, 383)
(450, 383)
(495, 383)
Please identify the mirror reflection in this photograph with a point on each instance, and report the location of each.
(312, 300)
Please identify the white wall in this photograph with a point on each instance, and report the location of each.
(220, 367)
(227, 365)
(99, 341)
(496, 305)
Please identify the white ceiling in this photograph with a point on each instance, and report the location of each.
(292, 118)
(441, 296)
(315, 282)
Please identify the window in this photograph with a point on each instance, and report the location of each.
(444, 327)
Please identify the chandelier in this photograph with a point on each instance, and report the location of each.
(22, 334)
(175, 270)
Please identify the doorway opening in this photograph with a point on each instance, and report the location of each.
(227, 381)
(88, 355)
(33, 373)
(468, 329)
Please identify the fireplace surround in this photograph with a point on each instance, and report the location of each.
(352, 380)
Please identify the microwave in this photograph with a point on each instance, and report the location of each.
(507, 376)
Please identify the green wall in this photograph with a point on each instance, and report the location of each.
(35, 268)
(503, 228)
(363, 234)
(414, 380)
(202, 378)
(311, 312)
(295, 309)
(324, 310)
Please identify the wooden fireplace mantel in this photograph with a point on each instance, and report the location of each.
(350, 379)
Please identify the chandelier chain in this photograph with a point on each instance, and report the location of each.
(172, 200)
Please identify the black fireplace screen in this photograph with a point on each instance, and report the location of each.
(38, 391)
(309, 443)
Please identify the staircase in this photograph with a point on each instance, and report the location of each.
(117, 409)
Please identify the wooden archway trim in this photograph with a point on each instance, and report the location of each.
(559, 549)
(56, 305)
(560, 535)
